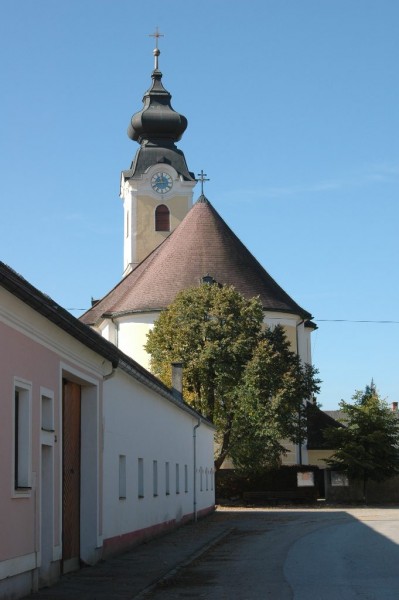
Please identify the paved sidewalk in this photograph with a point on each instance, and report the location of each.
(130, 575)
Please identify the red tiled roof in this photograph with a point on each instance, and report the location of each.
(202, 244)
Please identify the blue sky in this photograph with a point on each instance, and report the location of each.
(293, 114)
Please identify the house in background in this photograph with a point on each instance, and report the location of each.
(95, 452)
(317, 422)
(336, 486)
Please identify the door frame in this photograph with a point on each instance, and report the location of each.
(91, 536)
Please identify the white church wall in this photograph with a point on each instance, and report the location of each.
(297, 334)
(304, 343)
(133, 329)
(132, 335)
(108, 330)
(149, 463)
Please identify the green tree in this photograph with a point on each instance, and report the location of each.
(244, 379)
(273, 396)
(366, 447)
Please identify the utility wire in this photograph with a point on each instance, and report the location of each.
(352, 321)
(317, 320)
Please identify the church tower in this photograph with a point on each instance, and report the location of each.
(157, 190)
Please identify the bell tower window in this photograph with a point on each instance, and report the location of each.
(162, 218)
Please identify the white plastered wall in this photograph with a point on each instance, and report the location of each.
(140, 424)
(132, 335)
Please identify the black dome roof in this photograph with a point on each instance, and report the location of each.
(157, 123)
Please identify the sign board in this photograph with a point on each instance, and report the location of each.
(305, 479)
(339, 479)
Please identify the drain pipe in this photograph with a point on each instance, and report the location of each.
(195, 469)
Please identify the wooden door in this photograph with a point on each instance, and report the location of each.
(70, 476)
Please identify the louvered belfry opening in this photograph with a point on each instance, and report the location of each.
(162, 218)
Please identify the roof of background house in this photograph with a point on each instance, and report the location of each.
(317, 422)
(201, 245)
(48, 308)
(337, 415)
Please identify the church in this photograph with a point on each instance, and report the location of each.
(171, 244)
(97, 453)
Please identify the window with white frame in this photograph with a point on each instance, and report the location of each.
(22, 435)
(177, 478)
(122, 477)
(186, 478)
(47, 408)
(140, 478)
(155, 477)
(167, 479)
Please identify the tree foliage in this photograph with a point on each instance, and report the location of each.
(244, 379)
(366, 447)
(273, 396)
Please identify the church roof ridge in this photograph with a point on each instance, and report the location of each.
(202, 243)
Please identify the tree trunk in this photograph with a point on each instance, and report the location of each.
(224, 450)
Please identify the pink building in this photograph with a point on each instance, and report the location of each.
(81, 478)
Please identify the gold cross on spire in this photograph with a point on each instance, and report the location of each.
(156, 51)
(202, 177)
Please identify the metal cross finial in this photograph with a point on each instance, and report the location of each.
(156, 51)
(202, 178)
(156, 35)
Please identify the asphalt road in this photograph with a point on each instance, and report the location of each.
(299, 554)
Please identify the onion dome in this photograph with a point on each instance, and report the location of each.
(157, 123)
(156, 128)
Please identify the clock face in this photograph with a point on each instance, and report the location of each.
(161, 182)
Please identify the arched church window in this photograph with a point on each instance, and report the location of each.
(162, 218)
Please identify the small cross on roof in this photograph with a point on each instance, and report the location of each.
(156, 51)
(202, 177)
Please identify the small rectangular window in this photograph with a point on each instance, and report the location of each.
(122, 476)
(155, 477)
(177, 479)
(167, 479)
(22, 436)
(140, 482)
(186, 478)
(47, 407)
